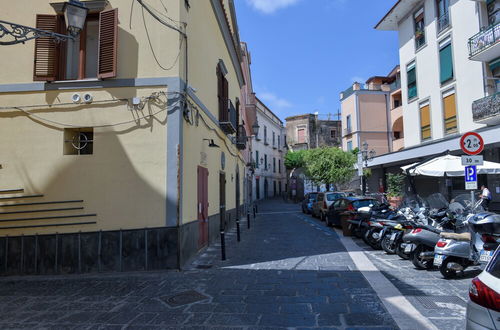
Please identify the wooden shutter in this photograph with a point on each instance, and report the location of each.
(108, 43)
(450, 113)
(425, 122)
(46, 50)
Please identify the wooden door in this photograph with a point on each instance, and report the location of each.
(222, 200)
(202, 206)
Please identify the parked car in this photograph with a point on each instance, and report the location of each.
(323, 202)
(347, 206)
(483, 308)
(308, 201)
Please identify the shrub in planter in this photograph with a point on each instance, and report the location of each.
(395, 188)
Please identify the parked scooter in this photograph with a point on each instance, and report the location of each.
(454, 252)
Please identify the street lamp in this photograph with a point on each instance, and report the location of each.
(75, 14)
(255, 128)
(366, 156)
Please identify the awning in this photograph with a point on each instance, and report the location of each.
(451, 165)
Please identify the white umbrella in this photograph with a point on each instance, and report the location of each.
(451, 166)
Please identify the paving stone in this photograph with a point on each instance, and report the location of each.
(289, 320)
(299, 308)
(233, 319)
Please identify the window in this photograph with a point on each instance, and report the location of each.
(274, 139)
(348, 123)
(397, 103)
(279, 165)
(425, 121)
(78, 141)
(419, 28)
(301, 135)
(333, 134)
(274, 165)
(265, 134)
(279, 142)
(445, 62)
(93, 54)
(257, 160)
(284, 140)
(222, 92)
(265, 162)
(442, 14)
(349, 145)
(450, 112)
(411, 72)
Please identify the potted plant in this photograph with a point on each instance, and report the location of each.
(395, 188)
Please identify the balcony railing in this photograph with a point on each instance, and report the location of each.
(484, 39)
(347, 131)
(396, 84)
(241, 138)
(227, 119)
(487, 110)
(443, 22)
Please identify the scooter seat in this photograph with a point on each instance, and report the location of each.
(455, 236)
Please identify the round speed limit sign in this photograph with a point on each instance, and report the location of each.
(472, 143)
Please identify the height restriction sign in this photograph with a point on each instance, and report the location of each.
(472, 143)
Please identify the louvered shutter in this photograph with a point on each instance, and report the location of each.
(108, 43)
(46, 50)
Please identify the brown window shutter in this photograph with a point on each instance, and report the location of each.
(108, 43)
(45, 66)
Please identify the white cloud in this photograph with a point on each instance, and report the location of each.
(274, 101)
(270, 6)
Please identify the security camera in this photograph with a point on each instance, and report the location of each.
(88, 98)
(76, 98)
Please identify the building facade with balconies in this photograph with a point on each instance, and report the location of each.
(448, 55)
(269, 149)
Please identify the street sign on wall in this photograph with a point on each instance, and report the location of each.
(470, 177)
(472, 160)
(472, 143)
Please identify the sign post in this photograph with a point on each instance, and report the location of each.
(472, 144)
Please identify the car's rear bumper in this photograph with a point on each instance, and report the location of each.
(478, 317)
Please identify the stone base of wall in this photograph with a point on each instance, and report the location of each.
(106, 251)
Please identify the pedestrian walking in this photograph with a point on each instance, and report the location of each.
(485, 197)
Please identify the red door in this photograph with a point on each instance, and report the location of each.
(202, 206)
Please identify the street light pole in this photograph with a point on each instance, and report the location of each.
(366, 156)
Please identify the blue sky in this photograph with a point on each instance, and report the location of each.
(305, 52)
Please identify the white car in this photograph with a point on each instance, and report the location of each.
(483, 308)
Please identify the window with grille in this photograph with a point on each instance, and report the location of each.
(78, 141)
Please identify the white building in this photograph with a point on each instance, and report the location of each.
(268, 153)
(450, 58)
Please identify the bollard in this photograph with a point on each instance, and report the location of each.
(223, 245)
(238, 234)
(248, 219)
(254, 210)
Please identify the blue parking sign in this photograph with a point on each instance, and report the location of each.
(470, 173)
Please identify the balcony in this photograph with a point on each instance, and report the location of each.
(443, 22)
(398, 144)
(265, 141)
(395, 85)
(241, 138)
(347, 131)
(227, 119)
(485, 45)
(487, 110)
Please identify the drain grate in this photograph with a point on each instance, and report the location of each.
(431, 302)
(183, 298)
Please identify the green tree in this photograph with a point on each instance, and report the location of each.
(295, 159)
(329, 165)
(395, 184)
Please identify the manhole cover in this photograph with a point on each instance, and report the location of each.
(184, 298)
(439, 302)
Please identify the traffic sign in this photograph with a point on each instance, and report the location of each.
(470, 177)
(472, 143)
(472, 160)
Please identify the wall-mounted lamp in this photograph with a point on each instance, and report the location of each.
(75, 14)
(211, 143)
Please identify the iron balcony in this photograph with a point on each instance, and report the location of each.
(485, 45)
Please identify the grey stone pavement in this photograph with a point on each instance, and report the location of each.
(285, 273)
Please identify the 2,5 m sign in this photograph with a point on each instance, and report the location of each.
(472, 143)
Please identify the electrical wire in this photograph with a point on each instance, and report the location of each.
(155, 15)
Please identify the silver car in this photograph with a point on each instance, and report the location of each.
(483, 308)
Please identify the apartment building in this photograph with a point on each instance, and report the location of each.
(449, 56)
(308, 132)
(269, 149)
(110, 142)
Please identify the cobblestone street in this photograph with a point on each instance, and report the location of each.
(284, 273)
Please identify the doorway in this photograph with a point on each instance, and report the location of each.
(202, 207)
(266, 192)
(222, 200)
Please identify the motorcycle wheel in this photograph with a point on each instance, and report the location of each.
(374, 243)
(400, 251)
(417, 261)
(445, 271)
(386, 245)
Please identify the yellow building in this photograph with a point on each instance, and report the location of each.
(109, 143)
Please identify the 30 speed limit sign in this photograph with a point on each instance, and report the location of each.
(472, 143)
